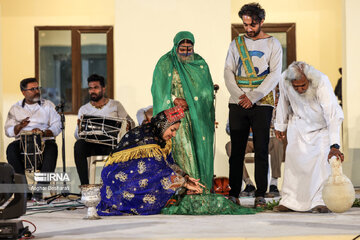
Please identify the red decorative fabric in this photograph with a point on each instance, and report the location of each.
(174, 114)
(221, 185)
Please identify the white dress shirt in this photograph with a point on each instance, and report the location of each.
(42, 116)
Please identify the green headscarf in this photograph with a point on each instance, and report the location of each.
(198, 89)
(182, 36)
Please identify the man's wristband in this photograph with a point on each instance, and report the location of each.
(335, 146)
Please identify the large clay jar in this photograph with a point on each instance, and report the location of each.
(338, 192)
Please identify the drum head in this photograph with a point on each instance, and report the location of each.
(101, 130)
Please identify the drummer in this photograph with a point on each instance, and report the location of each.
(37, 115)
(99, 105)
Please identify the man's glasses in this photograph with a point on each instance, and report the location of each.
(33, 89)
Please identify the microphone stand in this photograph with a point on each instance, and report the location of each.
(216, 88)
(64, 193)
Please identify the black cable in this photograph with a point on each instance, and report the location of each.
(31, 224)
(23, 231)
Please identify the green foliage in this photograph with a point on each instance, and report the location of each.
(271, 204)
(356, 202)
(207, 204)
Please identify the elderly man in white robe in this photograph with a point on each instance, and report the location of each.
(309, 113)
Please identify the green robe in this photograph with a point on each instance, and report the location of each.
(197, 133)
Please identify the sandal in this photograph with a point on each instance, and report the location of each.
(234, 199)
(260, 202)
(320, 209)
(249, 191)
(281, 208)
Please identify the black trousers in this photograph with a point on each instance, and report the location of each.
(83, 150)
(240, 120)
(16, 159)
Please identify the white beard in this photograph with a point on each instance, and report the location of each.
(36, 99)
(313, 75)
(309, 95)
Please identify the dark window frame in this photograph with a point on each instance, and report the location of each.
(76, 32)
(288, 28)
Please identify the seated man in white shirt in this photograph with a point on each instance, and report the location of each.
(36, 115)
(99, 105)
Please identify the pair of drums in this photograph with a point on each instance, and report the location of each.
(97, 129)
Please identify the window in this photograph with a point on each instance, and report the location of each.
(65, 56)
(284, 32)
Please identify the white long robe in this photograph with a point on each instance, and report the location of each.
(313, 125)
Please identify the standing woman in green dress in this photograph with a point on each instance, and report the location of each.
(182, 78)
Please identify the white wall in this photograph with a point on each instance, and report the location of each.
(318, 28)
(1, 98)
(144, 31)
(351, 87)
(18, 19)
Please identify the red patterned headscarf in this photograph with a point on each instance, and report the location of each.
(145, 133)
(174, 114)
(165, 119)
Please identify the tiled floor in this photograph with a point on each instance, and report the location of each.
(69, 224)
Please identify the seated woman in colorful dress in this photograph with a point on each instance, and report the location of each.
(140, 176)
